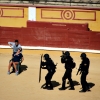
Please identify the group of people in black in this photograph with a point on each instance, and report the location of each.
(51, 67)
(69, 65)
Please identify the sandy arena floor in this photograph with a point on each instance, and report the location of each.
(25, 86)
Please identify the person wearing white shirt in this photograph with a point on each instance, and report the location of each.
(15, 45)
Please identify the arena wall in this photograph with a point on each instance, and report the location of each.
(51, 37)
(32, 30)
(13, 16)
(70, 15)
(17, 15)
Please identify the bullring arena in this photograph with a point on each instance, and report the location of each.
(26, 85)
(48, 29)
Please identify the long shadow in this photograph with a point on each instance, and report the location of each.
(65, 88)
(74, 82)
(23, 68)
(54, 83)
(91, 84)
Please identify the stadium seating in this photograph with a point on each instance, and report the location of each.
(52, 1)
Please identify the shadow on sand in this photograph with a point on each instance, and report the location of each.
(23, 68)
(54, 83)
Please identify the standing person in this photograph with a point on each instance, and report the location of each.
(84, 67)
(68, 60)
(50, 66)
(14, 45)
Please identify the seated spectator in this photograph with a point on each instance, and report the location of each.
(15, 60)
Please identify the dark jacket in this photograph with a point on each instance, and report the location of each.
(68, 62)
(17, 58)
(50, 66)
(85, 65)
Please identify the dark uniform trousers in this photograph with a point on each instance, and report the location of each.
(48, 78)
(67, 75)
(84, 83)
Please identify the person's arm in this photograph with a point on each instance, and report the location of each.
(19, 46)
(11, 44)
(63, 60)
(43, 64)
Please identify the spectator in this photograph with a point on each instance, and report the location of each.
(15, 45)
(15, 60)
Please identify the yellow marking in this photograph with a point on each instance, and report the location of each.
(88, 15)
(50, 14)
(13, 12)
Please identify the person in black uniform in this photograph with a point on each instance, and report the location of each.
(84, 68)
(68, 60)
(50, 66)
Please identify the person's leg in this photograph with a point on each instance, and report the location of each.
(83, 82)
(46, 79)
(70, 80)
(64, 80)
(49, 80)
(86, 84)
(9, 66)
(13, 69)
(15, 64)
(51, 85)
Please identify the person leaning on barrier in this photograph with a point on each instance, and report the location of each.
(50, 66)
(15, 60)
(68, 60)
(84, 68)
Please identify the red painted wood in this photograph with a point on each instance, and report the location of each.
(78, 39)
(68, 26)
(51, 37)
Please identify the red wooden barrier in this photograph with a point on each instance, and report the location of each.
(51, 37)
(68, 26)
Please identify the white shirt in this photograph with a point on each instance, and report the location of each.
(15, 48)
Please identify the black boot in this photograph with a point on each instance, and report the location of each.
(82, 90)
(63, 86)
(72, 88)
(46, 85)
(51, 86)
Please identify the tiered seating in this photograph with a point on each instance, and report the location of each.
(53, 1)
